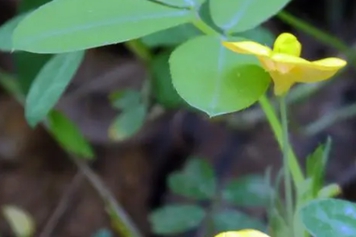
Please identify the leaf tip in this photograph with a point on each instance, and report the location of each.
(31, 120)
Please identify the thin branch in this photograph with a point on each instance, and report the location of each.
(62, 206)
(130, 229)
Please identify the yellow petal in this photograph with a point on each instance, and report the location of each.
(301, 70)
(328, 63)
(323, 64)
(287, 43)
(248, 47)
(284, 64)
(290, 59)
(282, 83)
(242, 233)
(271, 65)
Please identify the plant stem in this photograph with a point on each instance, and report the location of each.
(276, 126)
(128, 228)
(203, 27)
(140, 50)
(287, 177)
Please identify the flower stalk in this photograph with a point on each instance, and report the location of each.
(286, 67)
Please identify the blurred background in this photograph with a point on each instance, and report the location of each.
(60, 195)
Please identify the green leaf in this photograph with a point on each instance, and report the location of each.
(126, 99)
(276, 212)
(230, 220)
(330, 218)
(305, 193)
(316, 165)
(175, 219)
(50, 84)
(172, 36)
(128, 123)
(251, 190)
(314, 160)
(258, 34)
(133, 116)
(197, 180)
(331, 190)
(21, 223)
(215, 80)
(205, 16)
(82, 24)
(241, 15)
(27, 64)
(277, 224)
(26, 5)
(68, 135)
(6, 31)
(162, 86)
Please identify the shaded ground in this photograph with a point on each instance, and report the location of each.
(37, 176)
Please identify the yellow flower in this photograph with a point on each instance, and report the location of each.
(242, 233)
(284, 63)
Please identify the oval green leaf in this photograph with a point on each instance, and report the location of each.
(251, 190)
(172, 36)
(6, 31)
(68, 135)
(215, 80)
(241, 15)
(258, 34)
(50, 84)
(126, 99)
(162, 86)
(82, 24)
(175, 219)
(196, 181)
(330, 218)
(26, 5)
(128, 123)
(26, 72)
(231, 220)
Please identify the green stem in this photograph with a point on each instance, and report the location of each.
(276, 126)
(140, 50)
(287, 177)
(203, 27)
